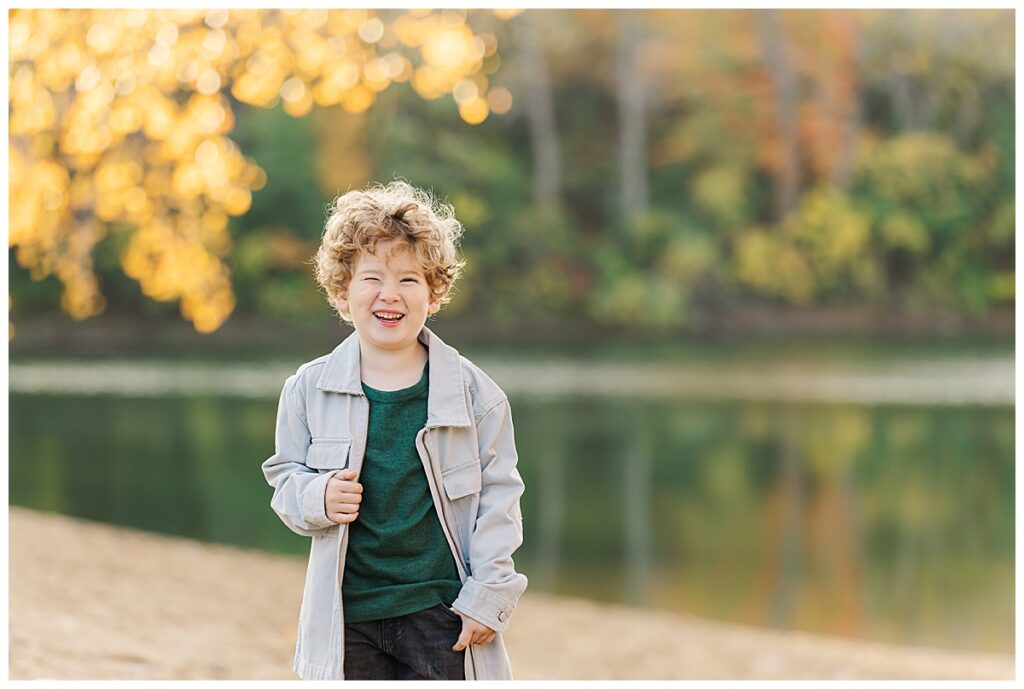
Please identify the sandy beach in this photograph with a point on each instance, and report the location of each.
(91, 601)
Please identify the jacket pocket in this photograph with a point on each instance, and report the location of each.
(462, 480)
(328, 454)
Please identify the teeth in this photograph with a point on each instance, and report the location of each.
(388, 316)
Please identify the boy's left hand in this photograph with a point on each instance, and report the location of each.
(473, 632)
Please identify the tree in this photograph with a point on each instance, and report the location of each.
(119, 124)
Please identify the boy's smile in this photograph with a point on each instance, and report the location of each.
(389, 318)
(388, 298)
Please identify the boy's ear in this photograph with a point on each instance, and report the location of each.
(341, 303)
(433, 306)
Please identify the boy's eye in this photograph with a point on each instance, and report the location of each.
(370, 277)
(409, 280)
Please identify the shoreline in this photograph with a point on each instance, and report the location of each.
(94, 601)
(961, 381)
(135, 334)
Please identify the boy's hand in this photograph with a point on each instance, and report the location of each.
(342, 497)
(473, 632)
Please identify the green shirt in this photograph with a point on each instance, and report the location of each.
(398, 560)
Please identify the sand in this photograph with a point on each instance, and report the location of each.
(92, 601)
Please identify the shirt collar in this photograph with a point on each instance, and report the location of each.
(446, 399)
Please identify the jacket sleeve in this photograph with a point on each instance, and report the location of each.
(298, 490)
(491, 592)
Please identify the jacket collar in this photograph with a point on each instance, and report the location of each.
(446, 399)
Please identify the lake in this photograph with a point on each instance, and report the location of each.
(881, 507)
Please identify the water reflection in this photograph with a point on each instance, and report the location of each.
(888, 523)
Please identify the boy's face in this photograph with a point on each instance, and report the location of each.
(388, 298)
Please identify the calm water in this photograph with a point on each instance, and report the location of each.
(892, 523)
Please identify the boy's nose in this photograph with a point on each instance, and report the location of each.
(388, 293)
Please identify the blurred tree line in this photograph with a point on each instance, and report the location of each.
(656, 168)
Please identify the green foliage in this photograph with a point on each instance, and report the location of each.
(649, 274)
(292, 198)
(275, 241)
(932, 206)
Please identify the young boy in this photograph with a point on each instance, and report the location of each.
(396, 455)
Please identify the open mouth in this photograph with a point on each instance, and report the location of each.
(388, 318)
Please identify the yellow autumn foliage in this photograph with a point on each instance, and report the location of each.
(830, 230)
(824, 242)
(119, 119)
(721, 191)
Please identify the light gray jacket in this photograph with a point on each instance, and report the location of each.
(469, 455)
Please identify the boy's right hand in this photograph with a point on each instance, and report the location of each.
(342, 498)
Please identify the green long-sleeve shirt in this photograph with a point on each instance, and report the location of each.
(398, 561)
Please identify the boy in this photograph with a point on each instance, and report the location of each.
(396, 455)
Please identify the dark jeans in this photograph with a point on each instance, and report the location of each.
(413, 646)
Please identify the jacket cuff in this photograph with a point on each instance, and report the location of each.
(484, 606)
(312, 502)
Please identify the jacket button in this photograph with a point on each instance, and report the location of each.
(501, 616)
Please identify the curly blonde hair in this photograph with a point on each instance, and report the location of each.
(360, 220)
